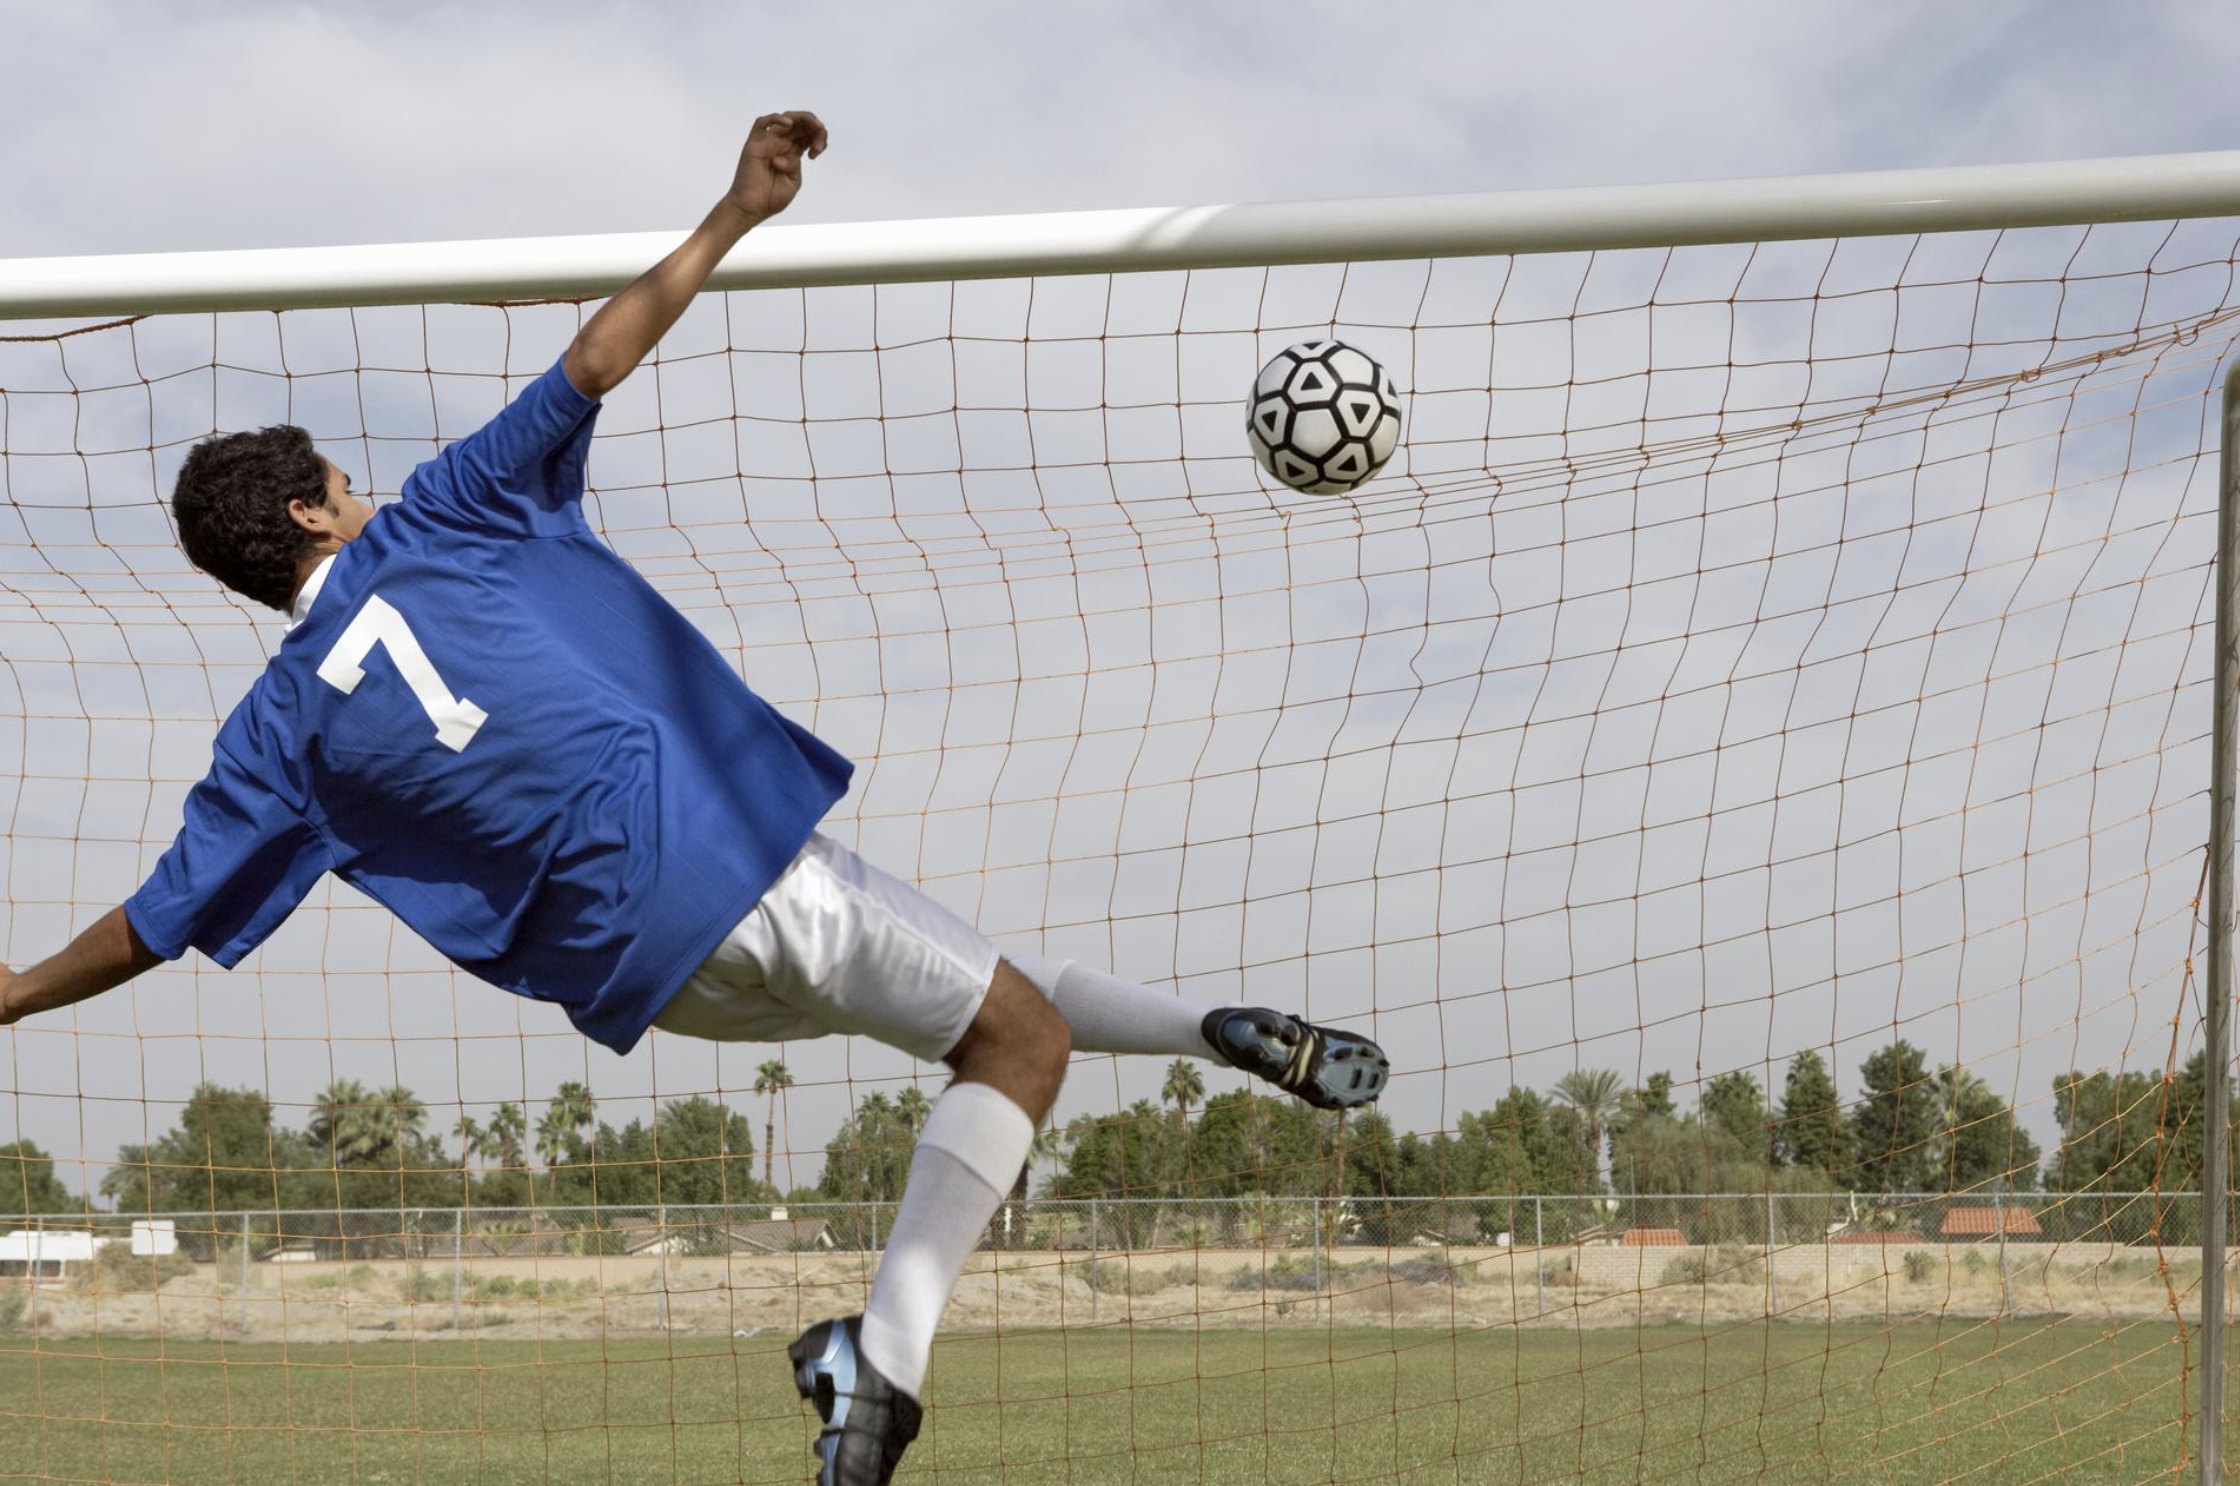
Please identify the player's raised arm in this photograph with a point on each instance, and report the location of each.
(106, 955)
(617, 338)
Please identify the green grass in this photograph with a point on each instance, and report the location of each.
(1794, 1404)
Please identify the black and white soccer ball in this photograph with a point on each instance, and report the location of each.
(1323, 417)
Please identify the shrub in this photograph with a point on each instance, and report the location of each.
(418, 1287)
(1430, 1269)
(2128, 1267)
(501, 1238)
(1920, 1268)
(1285, 1273)
(116, 1269)
(493, 1286)
(1114, 1277)
(1121, 1278)
(1726, 1264)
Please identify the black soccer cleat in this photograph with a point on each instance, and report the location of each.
(868, 1421)
(1328, 1068)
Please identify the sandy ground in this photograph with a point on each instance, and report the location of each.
(587, 1299)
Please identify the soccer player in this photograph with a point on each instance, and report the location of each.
(485, 720)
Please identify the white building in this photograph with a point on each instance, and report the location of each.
(44, 1255)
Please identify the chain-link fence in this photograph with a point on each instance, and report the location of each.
(1524, 1259)
(1127, 1225)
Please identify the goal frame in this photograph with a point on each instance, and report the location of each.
(1144, 239)
(1862, 204)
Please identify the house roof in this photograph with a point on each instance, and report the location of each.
(1653, 1238)
(1986, 1222)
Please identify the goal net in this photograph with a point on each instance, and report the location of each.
(1746, 758)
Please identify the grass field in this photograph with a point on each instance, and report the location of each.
(2011, 1403)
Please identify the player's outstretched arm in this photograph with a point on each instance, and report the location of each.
(617, 338)
(105, 955)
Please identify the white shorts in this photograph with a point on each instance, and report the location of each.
(837, 945)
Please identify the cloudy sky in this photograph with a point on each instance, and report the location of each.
(243, 125)
(216, 124)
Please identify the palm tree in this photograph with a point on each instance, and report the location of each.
(473, 1140)
(553, 1130)
(1961, 1096)
(508, 1135)
(1184, 1083)
(400, 1120)
(575, 1103)
(357, 1127)
(1593, 1093)
(1011, 1220)
(912, 1106)
(1048, 1141)
(772, 1078)
(339, 1125)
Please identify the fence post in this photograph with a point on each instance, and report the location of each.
(1094, 1286)
(1773, 1277)
(458, 1257)
(1317, 1220)
(244, 1253)
(661, 1226)
(2002, 1221)
(1539, 1262)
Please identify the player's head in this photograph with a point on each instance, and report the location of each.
(252, 506)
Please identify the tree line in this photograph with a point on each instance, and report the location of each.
(1913, 1127)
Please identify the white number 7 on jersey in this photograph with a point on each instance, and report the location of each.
(457, 720)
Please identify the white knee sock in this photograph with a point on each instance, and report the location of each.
(1111, 1015)
(968, 1155)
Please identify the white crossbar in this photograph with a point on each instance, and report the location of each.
(1865, 204)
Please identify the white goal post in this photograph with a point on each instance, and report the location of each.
(1949, 199)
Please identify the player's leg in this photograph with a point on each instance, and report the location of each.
(1327, 1067)
(975, 1141)
(837, 946)
(866, 1373)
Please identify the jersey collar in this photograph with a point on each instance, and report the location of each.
(310, 590)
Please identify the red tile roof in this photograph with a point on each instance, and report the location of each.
(1653, 1238)
(1984, 1222)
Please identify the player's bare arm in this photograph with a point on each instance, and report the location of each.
(627, 327)
(105, 956)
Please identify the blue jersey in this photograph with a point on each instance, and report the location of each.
(488, 722)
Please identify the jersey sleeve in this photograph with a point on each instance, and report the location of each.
(521, 474)
(242, 861)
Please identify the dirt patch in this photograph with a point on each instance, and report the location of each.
(588, 1298)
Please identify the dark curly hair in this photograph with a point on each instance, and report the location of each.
(231, 503)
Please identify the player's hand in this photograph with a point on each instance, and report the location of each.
(769, 175)
(8, 1015)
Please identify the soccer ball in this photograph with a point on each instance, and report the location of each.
(1323, 417)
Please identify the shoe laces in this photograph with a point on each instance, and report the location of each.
(1300, 1065)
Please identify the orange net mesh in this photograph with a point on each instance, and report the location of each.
(1746, 759)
